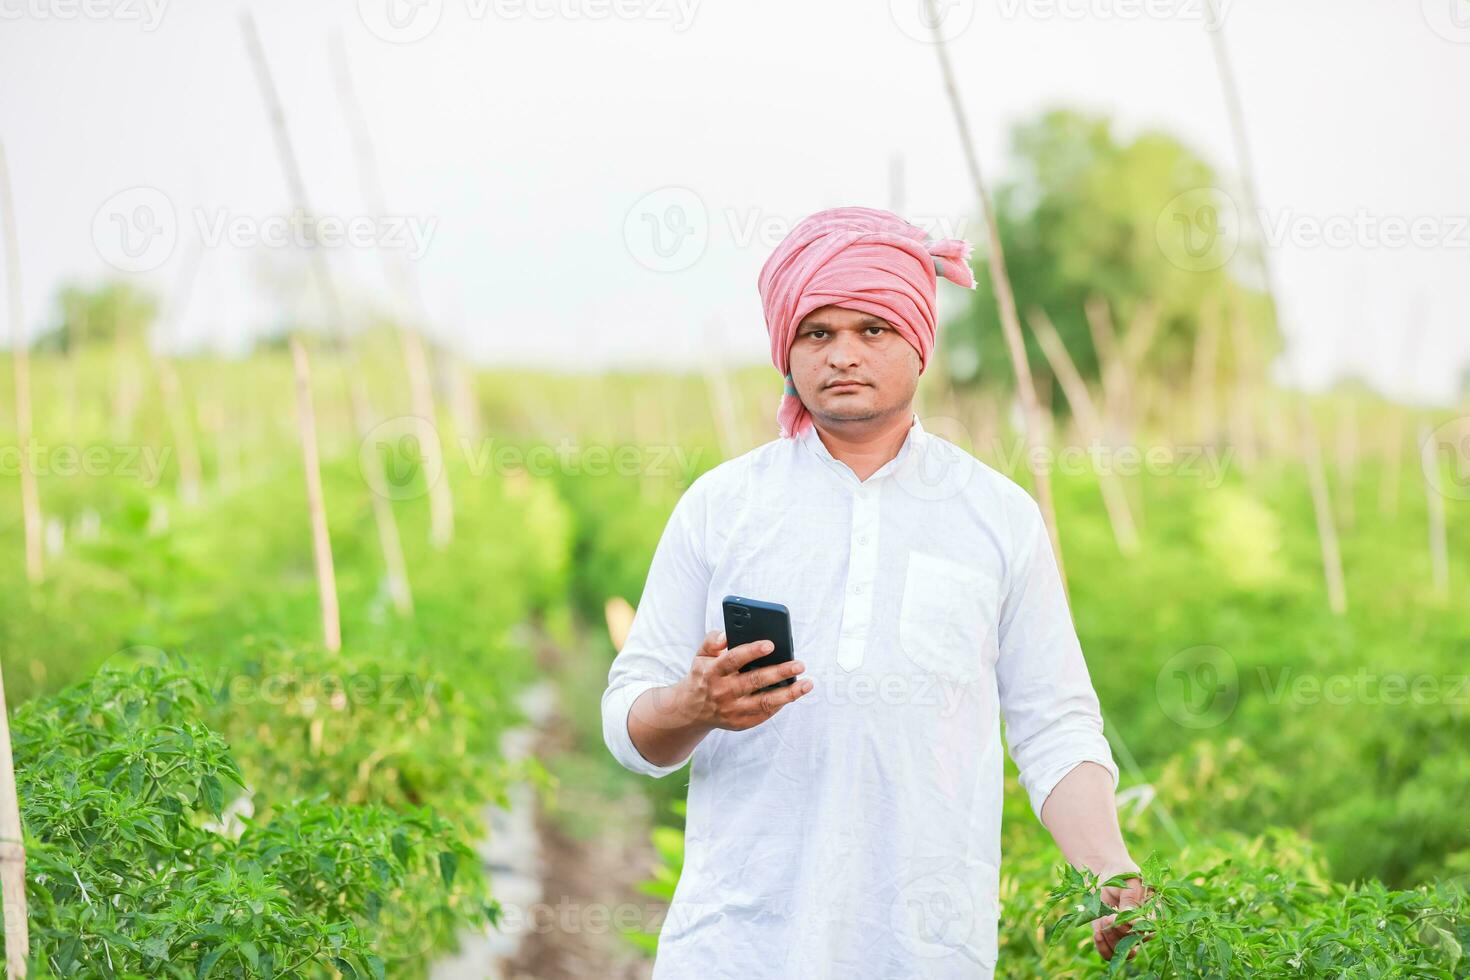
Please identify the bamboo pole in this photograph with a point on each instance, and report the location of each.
(1010, 319)
(1143, 330)
(645, 433)
(1137, 339)
(1322, 506)
(321, 541)
(1393, 461)
(1242, 393)
(362, 413)
(896, 184)
(30, 496)
(12, 855)
(1347, 460)
(721, 399)
(722, 408)
(1316, 476)
(1110, 363)
(410, 316)
(12, 833)
(1439, 549)
(464, 405)
(175, 406)
(1204, 371)
(1115, 501)
(1388, 490)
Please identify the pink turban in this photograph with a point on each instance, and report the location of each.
(859, 259)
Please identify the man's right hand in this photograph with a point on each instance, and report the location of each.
(666, 723)
(716, 695)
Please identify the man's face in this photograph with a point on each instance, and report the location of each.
(836, 345)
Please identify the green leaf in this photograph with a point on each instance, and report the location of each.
(1120, 953)
(251, 952)
(213, 794)
(210, 959)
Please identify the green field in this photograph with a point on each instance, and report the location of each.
(208, 789)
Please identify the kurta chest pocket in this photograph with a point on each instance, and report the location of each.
(947, 616)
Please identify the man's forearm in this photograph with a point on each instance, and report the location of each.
(662, 726)
(1082, 814)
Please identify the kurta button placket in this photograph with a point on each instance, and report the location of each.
(862, 566)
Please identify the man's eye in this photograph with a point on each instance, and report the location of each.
(813, 333)
(879, 329)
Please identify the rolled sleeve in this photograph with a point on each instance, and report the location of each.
(617, 702)
(1053, 721)
(666, 631)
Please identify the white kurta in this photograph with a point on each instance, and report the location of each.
(856, 834)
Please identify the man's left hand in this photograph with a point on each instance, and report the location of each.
(1129, 895)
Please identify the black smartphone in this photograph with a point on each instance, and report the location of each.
(748, 620)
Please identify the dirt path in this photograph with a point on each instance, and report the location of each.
(594, 851)
(566, 876)
(588, 888)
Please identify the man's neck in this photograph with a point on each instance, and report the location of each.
(866, 445)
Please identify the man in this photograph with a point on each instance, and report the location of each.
(848, 825)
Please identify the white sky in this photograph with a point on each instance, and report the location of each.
(523, 134)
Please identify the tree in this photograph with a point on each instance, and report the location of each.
(1086, 215)
(110, 313)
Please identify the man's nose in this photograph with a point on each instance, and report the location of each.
(844, 351)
